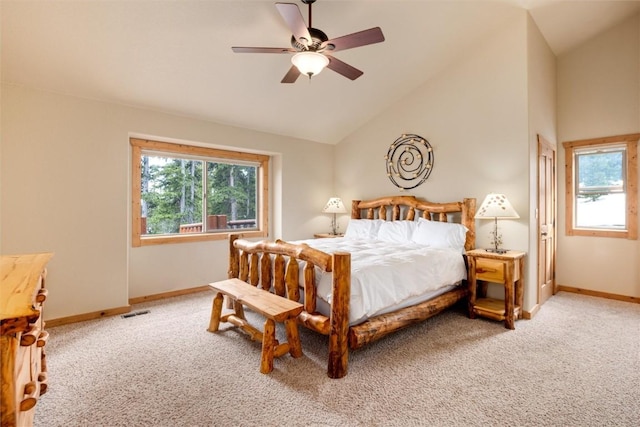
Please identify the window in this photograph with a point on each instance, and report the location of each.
(602, 187)
(183, 193)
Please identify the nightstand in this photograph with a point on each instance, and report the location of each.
(506, 269)
(325, 235)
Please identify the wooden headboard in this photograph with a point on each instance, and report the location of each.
(410, 208)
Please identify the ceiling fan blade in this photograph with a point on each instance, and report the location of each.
(263, 49)
(361, 38)
(343, 68)
(293, 17)
(291, 76)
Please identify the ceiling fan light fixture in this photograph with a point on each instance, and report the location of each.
(310, 63)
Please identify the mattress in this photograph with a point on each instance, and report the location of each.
(387, 276)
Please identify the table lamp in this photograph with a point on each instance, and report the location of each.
(334, 206)
(493, 207)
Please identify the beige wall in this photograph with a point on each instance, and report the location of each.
(66, 174)
(476, 116)
(542, 94)
(599, 95)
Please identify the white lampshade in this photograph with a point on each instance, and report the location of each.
(310, 63)
(493, 207)
(334, 205)
(496, 206)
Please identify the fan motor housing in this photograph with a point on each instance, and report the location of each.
(317, 38)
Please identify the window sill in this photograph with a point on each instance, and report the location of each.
(595, 232)
(193, 237)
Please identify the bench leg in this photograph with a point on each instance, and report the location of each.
(229, 303)
(216, 311)
(295, 349)
(239, 309)
(268, 342)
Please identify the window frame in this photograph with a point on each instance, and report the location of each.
(138, 146)
(630, 170)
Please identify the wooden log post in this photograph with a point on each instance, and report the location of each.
(411, 214)
(293, 338)
(292, 279)
(339, 320)
(268, 343)
(309, 288)
(509, 296)
(244, 266)
(265, 271)
(216, 311)
(468, 219)
(254, 276)
(278, 280)
(234, 262)
(234, 259)
(355, 210)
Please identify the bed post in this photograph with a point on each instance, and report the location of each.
(355, 210)
(234, 258)
(338, 334)
(468, 219)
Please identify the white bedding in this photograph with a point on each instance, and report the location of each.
(386, 276)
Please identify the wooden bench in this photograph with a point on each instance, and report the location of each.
(273, 307)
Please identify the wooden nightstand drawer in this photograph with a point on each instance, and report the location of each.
(490, 270)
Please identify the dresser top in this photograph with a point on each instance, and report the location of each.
(19, 277)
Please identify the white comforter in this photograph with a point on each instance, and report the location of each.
(386, 276)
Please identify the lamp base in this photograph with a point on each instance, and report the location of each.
(497, 251)
(334, 226)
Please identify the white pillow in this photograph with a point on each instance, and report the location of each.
(397, 231)
(363, 228)
(438, 234)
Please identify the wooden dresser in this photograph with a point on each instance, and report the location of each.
(23, 371)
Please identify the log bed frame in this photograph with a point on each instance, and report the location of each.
(267, 265)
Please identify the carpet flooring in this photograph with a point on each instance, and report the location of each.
(577, 363)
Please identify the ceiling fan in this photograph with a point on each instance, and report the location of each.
(312, 48)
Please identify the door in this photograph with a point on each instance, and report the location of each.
(546, 219)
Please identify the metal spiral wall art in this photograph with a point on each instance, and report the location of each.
(409, 161)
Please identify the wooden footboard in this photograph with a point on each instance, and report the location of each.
(273, 266)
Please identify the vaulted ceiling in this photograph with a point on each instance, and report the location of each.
(175, 56)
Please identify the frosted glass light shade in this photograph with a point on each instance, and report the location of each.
(310, 63)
